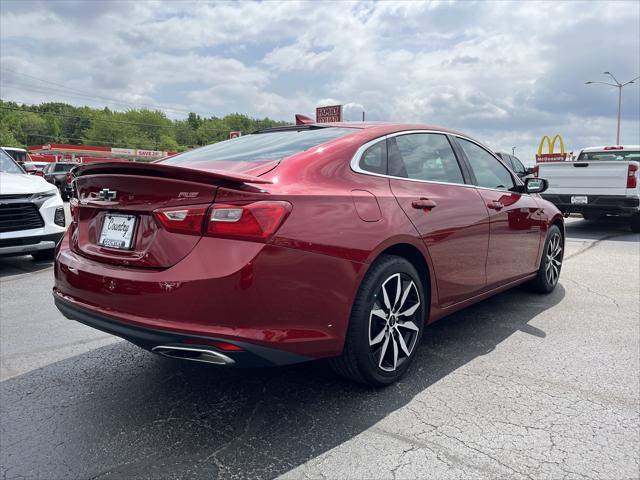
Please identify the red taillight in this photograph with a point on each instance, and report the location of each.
(536, 169)
(74, 207)
(632, 176)
(69, 178)
(39, 173)
(617, 147)
(187, 219)
(256, 221)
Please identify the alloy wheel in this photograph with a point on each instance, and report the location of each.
(554, 258)
(394, 321)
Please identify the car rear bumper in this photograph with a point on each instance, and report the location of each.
(279, 298)
(597, 204)
(160, 341)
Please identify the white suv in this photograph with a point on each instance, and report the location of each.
(32, 218)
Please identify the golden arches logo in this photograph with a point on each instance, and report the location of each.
(551, 144)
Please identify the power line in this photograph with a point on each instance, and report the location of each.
(103, 98)
(98, 119)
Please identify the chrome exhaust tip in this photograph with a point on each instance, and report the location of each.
(194, 354)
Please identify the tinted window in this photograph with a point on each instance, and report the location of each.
(612, 155)
(423, 156)
(8, 165)
(261, 146)
(64, 167)
(374, 159)
(517, 165)
(489, 172)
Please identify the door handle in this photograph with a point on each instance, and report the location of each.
(495, 205)
(424, 204)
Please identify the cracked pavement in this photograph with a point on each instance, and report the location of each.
(518, 386)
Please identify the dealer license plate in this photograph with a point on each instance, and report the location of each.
(117, 231)
(579, 199)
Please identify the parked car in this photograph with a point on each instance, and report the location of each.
(32, 219)
(31, 168)
(515, 164)
(601, 181)
(56, 173)
(20, 155)
(304, 242)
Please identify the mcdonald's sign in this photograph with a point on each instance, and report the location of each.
(551, 156)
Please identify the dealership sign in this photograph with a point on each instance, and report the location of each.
(332, 113)
(551, 156)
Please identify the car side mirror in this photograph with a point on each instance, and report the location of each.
(535, 185)
(529, 171)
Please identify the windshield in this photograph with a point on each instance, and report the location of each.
(8, 165)
(610, 155)
(261, 146)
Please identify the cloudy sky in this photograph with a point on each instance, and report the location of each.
(506, 73)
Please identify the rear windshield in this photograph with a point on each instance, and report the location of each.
(261, 146)
(611, 155)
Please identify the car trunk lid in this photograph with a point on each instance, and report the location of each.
(126, 195)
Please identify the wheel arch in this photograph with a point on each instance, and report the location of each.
(419, 260)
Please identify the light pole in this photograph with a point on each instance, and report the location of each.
(513, 151)
(619, 86)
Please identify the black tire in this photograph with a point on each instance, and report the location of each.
(634, 223)
(63, 193)
(545, 282)
(44, 255)
(370, 364)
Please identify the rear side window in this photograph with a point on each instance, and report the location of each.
(489, 172)
(374, 159)
(611, 155)
(261, 146)
(64, 167)
(518, 167)
(423, 156)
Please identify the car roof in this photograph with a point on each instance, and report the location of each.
(381, 128)
(14, 149)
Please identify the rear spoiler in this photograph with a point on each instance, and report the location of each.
(213, 177)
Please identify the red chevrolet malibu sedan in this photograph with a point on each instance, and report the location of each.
(337, 241)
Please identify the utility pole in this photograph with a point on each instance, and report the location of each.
(619, 86)
(513, 151)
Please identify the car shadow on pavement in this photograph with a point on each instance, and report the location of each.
(120, 412)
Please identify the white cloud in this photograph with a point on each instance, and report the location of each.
(505, 72)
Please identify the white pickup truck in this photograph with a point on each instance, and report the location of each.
(601, 181)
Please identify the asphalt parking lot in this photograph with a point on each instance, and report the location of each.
(518, 386)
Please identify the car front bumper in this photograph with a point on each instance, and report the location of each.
(30, 244)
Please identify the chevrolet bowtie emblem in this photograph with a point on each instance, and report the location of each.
(106, 194)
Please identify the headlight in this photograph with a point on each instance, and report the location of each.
(42, 195)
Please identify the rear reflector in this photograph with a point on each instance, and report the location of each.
(256, 221)
(632, 176)
(227, 347)
(187, 219)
